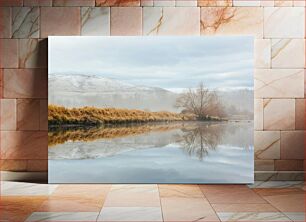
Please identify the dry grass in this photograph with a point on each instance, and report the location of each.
(59, 115)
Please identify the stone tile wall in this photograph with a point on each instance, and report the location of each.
(279, 76)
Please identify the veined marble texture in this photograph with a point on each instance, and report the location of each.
(95, 21)
(32, 53)
(215, 3)
(253, 216)
(232, 21)
(273, 83)
(267, 144)
(262, 53)
(25, 22)
(171, 21)
(258, 114)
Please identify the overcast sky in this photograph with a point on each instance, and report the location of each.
(168, 62)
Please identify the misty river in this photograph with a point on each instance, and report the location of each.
(176, 152)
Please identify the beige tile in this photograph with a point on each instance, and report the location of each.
(73, 2)
(263, 207)
(163, 3)
(43, 114)
(289, 165)
(232, 21)
(300, 114)
(279, 83)
(37, 165)
(292, 144)
(262, 53)
(267, 144)
(279, 114)
(246, 3)
(95, 21)
(258, 114)
(253, 216)
(5, 22)
(28, 114)
(267, 3)
(124, 3)
(126, 21)
(25, 83)
(8, 53)
(25, 22)
(299, 3)
(32, 53)
(264, 165)
(160, 21)
(220, 3)
(283, 3)
(8, 114)
(146, 2)
(187, 209)
(24, 144)
(186, 3)
(283, 50)
(37, 2)
(278, 19)
(51, 17)
(183, 191)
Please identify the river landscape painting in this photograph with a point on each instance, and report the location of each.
(150, 110)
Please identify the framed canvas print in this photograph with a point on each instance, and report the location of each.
(150, 109)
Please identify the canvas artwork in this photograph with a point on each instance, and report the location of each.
(150, 109)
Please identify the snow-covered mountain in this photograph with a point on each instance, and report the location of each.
(90, 90)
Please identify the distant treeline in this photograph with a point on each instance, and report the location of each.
(59, 115)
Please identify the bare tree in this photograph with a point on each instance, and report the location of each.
(201, 102)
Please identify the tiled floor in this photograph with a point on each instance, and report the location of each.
(269, 201)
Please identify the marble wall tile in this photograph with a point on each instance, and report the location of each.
(300, 114)
(279, 114)
(246, 3)
(8, 53)
(95, 21)
(278, 19)
(28, 114)
(267, 3)
(126, 21)
(25, 83)
(305, 82)
(258, 114)
(43, 114)
(262, 53)
(5, 3)
(25, 22)
(186, 3)
(292, 145)
(13, 165)
(1, 83)
(8, 114)
(37, 2)
(232, 21)
(32, 53)
(283, 3)
(73, 2)
(23, 144)
(123, 3)
(37, 165)
(273, 83)
(262, 165)
(163, 3)
(289, 165)
(146, 2)
(267, 145)
(5, 22)
(299, 3)
(211, 3)
(51, 17)
(284, 50)
(171, 21)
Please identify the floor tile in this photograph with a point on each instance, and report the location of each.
(130, 214)
(274, 216)
(133, 196)
(18, 208)
(296, 216)
(277, 184)
(25, 189)
(187, 209)
(63, 216)
(173, 190)
(230, 194)
(71, 204)
(244, 207)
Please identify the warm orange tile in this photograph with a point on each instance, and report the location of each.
(4, 3)
(8, 53)
(5, 22)
(173, 190)
(126, 21)
(28, 114)
(24, 145)
(37, 165)
(1, 83)
(43, 114)
(13, 165)
(18, 208)
(117, 2)
(25, 83)
(187, 209)
(300, 114)
(54, 21)
(215, 3)
(8, 114)
(264, 207)
(71, 204)
(292, 144)
(230, 194)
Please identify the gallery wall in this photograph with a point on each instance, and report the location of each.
(278, 26)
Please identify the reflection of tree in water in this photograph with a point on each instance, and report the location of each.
(197, 141)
